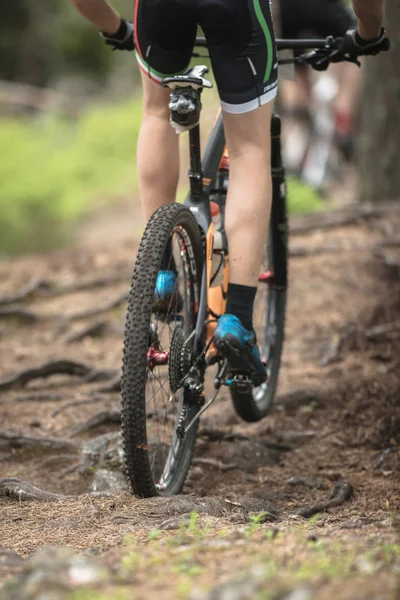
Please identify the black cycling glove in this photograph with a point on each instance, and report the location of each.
(353, 45)
(121, 39)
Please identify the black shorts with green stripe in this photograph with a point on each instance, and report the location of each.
(240, 39)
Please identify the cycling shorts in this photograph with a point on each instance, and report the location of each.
(304, 18)
(240, 40)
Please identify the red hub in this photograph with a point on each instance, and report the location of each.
(157, 358)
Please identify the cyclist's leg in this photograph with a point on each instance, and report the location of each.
(164, 43)
(249, 194)
(157, 150)
(246, 75)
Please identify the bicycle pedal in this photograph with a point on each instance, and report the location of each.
(241, 382)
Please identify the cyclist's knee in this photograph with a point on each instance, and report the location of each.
(248, 134)
(155, 100)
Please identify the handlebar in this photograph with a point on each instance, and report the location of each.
(311, 44)
(318, 53)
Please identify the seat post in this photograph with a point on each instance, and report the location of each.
(195, 171)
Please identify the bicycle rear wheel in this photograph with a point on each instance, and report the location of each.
(269, 314)
(157, 355)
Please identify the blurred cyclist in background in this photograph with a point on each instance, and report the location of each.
(319, 18)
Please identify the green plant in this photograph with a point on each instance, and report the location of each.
(154, 534)
(302, 198)
(255, 522)
(86, 594)
(130, 561)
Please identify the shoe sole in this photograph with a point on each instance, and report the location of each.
(239, 363)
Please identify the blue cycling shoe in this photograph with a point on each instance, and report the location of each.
(167, 298)
(239, 346)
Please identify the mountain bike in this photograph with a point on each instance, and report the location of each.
(168, 350)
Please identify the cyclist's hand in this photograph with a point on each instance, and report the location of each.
(353, 45)
(122, 39)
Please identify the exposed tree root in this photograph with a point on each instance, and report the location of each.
(342, 492)
(339, 218)
(57, 367)
(74, 403)
(303, 251)
(50, 289)
(34, 397)
(107, 417)
(20, 314)
(97, 375)
(93, 330)
(14, 440)
(13, 487)
(91, 284)
(114, 386)
(219, 435)
(27, 291)
(94, 312)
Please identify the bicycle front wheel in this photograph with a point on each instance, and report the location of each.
(158, 354)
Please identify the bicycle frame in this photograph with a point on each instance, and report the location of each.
(201, 175)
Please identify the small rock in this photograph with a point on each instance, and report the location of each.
(292, 401)
(299, 594)
(239, 589)
(53, 573)
(106, 448)
(195, 473)
(93, 551)
(260, 505)
(9, 558)
(105, 480)
(222, 544)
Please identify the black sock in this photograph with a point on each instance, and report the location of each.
(167, 261)
(240, 303)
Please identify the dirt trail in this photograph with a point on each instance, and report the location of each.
(336, 418)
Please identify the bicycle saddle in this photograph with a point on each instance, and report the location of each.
(192, 78)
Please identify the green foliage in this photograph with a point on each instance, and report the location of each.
(255, 522)
(53, 171)
(302, 198)
(87, 594)
(41, 41)
(154, 534)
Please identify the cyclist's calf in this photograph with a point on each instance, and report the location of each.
(158, 150)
